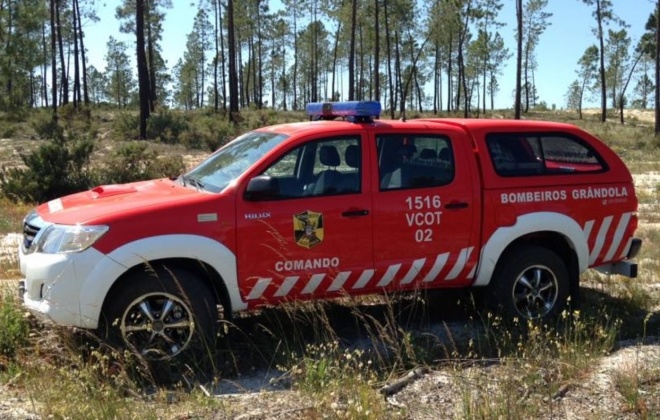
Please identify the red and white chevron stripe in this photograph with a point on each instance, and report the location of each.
(398, 274)
(607, 238)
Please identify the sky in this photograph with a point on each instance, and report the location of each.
(560, 46)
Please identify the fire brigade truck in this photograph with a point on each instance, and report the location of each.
(343, 204)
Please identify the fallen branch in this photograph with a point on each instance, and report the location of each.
(399, 384)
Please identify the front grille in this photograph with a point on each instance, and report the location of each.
(32, 225)
(29, 233)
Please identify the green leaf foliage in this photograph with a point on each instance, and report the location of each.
(59, 167)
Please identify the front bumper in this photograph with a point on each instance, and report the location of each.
(52, 284)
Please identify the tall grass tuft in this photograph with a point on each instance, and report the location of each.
(14, 328)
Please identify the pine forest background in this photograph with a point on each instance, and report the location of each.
(435, 56)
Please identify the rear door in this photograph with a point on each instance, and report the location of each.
(315, 238)
(426, 208)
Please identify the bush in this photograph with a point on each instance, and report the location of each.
(194, 138)
(217, 131)
(134, 161)
(125, 126)
(7, 131)
(166, 127)
(76, 119)
(57, 168)
(44, 125)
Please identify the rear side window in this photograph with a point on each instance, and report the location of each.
(541, 154)
(414, 161)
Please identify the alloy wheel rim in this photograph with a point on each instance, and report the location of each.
(158, 326)
(535, 292)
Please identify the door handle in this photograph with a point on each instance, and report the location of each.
(455, 205)
(355, 213)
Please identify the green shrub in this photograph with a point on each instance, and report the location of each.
(14, 328)
(166, 127)
(7, 131)
(220, 130)
(194, 138)
(77, 119)
(125, 126)
(44, 125)
(134, 161)
(56, 168)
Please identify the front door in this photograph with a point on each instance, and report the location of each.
(313, 238)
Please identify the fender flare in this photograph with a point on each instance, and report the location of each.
(526, 224)
(97, 285)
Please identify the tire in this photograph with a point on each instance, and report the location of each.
(531, 283)
(161, 314)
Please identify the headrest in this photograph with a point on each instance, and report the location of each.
(329, 156)
(428, 154)
(352, 156)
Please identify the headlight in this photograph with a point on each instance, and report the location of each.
(64, 239)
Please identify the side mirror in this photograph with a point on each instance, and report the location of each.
(262, 188)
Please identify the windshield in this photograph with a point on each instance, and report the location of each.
(231, 161)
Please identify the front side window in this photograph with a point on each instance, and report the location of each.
(414, 161)
(515, 154)
(318, 168)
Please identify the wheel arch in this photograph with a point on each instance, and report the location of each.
(557, 232)
(209, 259)
(198, 268)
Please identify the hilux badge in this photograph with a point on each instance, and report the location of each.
(308, 229)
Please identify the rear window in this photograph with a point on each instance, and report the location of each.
(516, 154)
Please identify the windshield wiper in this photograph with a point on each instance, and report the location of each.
(195, 182)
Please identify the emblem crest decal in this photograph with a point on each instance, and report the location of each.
(308, 229)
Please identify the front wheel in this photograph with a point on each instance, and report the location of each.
(532, 283)
(161, 314)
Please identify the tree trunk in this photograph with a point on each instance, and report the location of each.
(461, 60)
(315, 53)
(216, 61)
(436, 77)
(295, 59)
(359, 94)
(233, 79)
(260, 100)
(222, 69)
(450, 85)
(351, 52)
(143, 70)
(388, 47)
(151, 67)
(83, 55)
(272, 75)
(53, 55)
(76, 55)
(65, 78)
(603, 82)
(284, 82)
(526, 79)
(334, 63)
(517, 104)
(399, 84)
(657, 69)
(44, 71)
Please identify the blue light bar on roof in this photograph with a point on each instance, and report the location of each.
(370, 109)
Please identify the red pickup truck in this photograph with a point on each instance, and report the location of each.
(325, 208)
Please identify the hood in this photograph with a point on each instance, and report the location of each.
(101, 204)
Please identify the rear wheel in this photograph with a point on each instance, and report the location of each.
(161, 314)
(532, 283)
